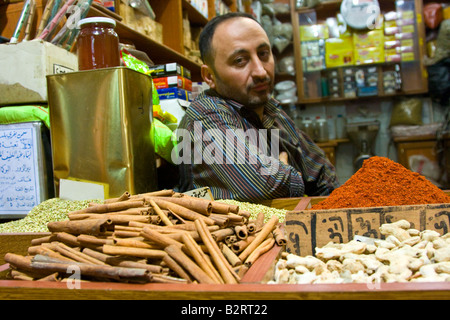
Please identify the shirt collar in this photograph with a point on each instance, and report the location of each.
(271, 109)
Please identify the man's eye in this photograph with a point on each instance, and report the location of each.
(264, 55)
(240, 61)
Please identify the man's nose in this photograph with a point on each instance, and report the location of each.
(259, 69)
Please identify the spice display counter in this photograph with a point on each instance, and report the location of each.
(252, 287)
(13, 289)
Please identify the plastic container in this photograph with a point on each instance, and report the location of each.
(295, 115)
(341, 132)
(308, 128)
(331, 127)
(321, 130)
(98, 44)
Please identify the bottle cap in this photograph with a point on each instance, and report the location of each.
(96, 20)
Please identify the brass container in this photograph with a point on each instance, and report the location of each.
(101, 129)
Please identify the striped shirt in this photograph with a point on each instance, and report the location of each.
(225, 146)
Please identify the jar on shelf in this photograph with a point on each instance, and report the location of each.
(331, 127)
(341, 131)
(321, 129)
(98, 44)
(308, 128)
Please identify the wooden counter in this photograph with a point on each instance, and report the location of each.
(252, 287)
(15, 289)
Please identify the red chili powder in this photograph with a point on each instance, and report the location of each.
(383, 182)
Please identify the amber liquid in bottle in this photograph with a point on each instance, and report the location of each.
(98, 46)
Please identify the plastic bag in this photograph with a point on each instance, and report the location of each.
(407, 112)
(426, 167)
(433, 15)
(164, 140)
(439, 81)
(18, 114)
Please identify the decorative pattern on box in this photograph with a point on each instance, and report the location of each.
(308, 229)
(173, 82)
(174, 93)
(170, 69)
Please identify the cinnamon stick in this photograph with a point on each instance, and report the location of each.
(259, 220)
(216, 255)
(182, 211)
(85, 239)
(161, 214)
(195, 204)
(109, 207)
(134, 252)
(260, 237)
(91, 227)
(241, 232)
(231, 257)
(121, 262)
(279, 236)
(196, 272)
(38, 241)
(175, 267)
(220, 235)
(158, 238)
(200, 257)
(110, 272)
(265, 246)
(125, 196)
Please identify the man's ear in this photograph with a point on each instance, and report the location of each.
(208, 76)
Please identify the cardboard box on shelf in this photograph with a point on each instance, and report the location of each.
(25, 66)
(140, 22)
(173, 82)
(174, 93)
(170, 69)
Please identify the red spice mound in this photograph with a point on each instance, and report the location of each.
(383, 182)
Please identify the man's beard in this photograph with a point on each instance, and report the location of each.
(248, 99)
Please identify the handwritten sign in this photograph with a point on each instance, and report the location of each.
(203, 193)
(20, 176)
(308, 229)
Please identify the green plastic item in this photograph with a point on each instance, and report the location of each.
(18, 114)
(164, 140)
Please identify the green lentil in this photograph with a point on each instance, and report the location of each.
(36, 220)
(255, 209)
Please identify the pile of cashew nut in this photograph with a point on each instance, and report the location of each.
(404, 255)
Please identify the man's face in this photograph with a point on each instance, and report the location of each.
(243, 62)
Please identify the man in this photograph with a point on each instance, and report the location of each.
(234, 138)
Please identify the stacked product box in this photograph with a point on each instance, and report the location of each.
(201, 6)
(334, 84)
(366, 81)
(172, 81)
(339, 51)
(349, 83)
(313, 47)
(174, 85)
(399, 33)
(369, 47)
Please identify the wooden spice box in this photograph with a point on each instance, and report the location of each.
(253, 285)
(307, 229)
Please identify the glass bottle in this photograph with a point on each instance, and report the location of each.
(321, 130)
(341, 122)
(98, 44)
(308, 128)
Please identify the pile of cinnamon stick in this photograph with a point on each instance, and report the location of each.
(161, 236)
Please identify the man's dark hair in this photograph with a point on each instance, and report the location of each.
(207, 33)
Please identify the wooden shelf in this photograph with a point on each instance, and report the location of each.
(195, 17)
(412, 72)
(157, 52)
